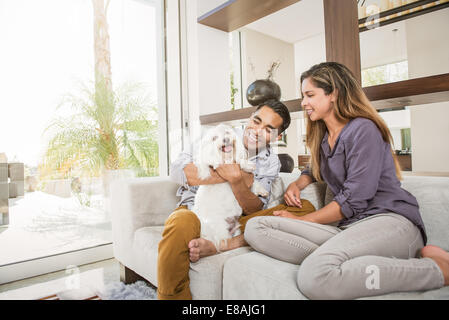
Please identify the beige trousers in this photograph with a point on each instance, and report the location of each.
(373, 256)
(173, 252)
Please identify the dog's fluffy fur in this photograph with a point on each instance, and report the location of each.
(215, 205)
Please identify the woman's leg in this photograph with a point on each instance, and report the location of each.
(286, 239)
(374, 256)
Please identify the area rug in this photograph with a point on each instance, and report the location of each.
(136, 291)
(112, 291)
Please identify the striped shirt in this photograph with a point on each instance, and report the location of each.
(267, 170)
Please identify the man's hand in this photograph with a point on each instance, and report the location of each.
(230, 172)
(292, 195)
(248, 178)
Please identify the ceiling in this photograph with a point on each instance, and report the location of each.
(305, 19)
(299, 21)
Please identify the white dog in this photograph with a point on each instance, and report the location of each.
(215, 204)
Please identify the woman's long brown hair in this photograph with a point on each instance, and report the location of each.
(351, 103)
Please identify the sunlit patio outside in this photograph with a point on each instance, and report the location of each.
(79, 109)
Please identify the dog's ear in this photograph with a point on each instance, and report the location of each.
(202, 162)
(241, 154)
(205, 156)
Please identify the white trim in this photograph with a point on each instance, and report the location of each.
(36, 267)
(173, 78)
(162, 97)
(185, 33)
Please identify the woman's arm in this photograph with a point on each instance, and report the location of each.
(328, 214)
(292, 196)
(303, 181)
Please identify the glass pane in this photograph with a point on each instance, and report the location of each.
(66, 131)
(405, 30)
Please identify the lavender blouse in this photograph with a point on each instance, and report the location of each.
(360, 172)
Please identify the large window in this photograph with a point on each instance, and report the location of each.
(82, 102)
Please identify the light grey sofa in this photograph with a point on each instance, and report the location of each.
(141, 205)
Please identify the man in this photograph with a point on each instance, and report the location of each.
(181, 242)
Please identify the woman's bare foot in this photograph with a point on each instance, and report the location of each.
(441, 258)
(199, 248)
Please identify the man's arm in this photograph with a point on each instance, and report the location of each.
(249, 202)
(240, 184)
(191, 172)
(184, 172)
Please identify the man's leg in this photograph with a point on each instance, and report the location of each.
(307, 207)
(200, 248)
(173, 255)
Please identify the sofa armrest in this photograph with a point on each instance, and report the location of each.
(137, 203)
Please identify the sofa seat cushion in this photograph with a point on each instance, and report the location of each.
(206, 275)
(255, 276)
(438, 294)
(432, 194)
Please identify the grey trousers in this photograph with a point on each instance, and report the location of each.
(373, 256)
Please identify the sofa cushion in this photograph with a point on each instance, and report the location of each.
(438, 294)
(277, 193)
(206, 275)
(314, 192)
(255, 276)
(432, 194)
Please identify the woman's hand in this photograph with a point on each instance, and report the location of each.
(292, 195)
(284, 214)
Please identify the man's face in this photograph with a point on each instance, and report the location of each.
(261, 129)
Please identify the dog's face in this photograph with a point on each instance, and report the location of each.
(220, 145)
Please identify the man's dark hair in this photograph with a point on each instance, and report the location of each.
(280, 109)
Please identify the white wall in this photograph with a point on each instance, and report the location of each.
(308, 52)
(428, 54)
(214, 70)
(259, 52)
(427, 44)
(383, 45)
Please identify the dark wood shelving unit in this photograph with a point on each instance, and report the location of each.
(234, 14)
(244, 113)
(390, 96)
(411, 92)
(401, 9)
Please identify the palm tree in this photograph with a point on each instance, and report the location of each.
(102, 52)
(105, 130)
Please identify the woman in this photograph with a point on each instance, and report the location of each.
(380, 233)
